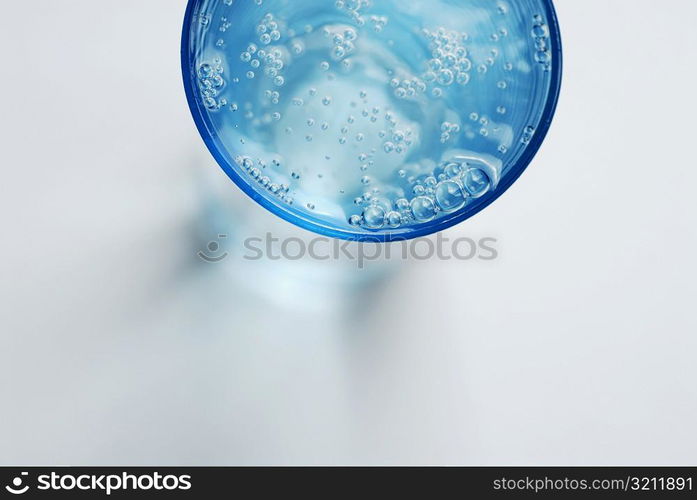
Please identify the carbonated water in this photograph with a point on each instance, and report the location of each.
(372, 117)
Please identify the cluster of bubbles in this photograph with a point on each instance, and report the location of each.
(273, 96)
(395, 139)
(408, 87)
(378, 23)
(224, 24)
(528, 133)
(540, 35)
(453, 184)
(256, 173)
(448, 130)
(343, 42)
(449, 63)
(210, 83)
(269, 61)
(268, 30)
(482, 122)
(353, 9)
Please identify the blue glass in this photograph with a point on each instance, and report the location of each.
(372, 120)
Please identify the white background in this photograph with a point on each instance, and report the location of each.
(119, 346)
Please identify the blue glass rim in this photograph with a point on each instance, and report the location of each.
(208, 135)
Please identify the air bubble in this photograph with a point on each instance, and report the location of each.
(476, 182)
(423, 208)
(449, 196)
(374, 217)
